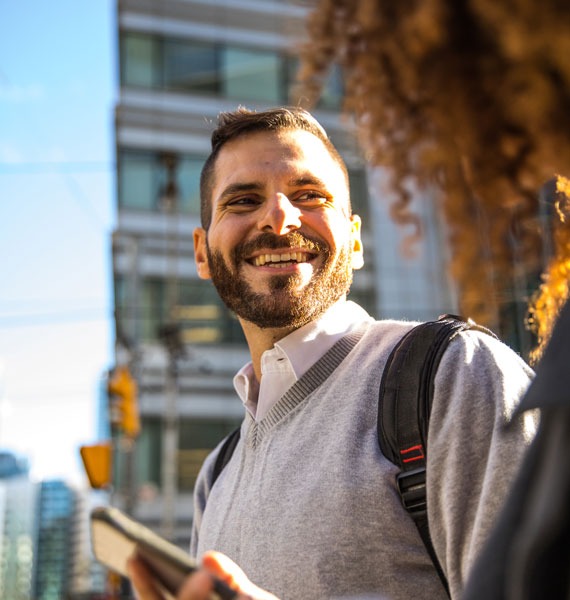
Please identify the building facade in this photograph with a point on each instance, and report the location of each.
(17, 525)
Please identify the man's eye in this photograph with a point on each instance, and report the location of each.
(243, 201)
(311, 198)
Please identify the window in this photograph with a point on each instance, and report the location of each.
(190, 67)
(139, 59)
(139, 184)
(203, 316)
(332, 91)
(197, 308)
(252, 74)
(188, 180)
(143, 176)
(152, 307)
(196, 439)
(331, 96)
(124, 319)
(214, 69)
(359, 195)
(149, 453)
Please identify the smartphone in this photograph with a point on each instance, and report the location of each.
(115, 537)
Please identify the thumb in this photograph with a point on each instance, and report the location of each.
(224, 568)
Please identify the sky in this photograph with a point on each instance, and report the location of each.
(57, 94)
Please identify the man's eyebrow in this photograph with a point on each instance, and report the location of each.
(237, 188)
(307, 180)
(255, 186)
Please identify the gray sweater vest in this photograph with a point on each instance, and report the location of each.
(308, 505)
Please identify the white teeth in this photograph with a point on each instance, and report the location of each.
(280, 260)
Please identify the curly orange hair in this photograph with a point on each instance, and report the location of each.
(471, 97)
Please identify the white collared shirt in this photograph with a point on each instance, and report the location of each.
(291, 357)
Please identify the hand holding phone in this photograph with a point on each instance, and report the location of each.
(115, 538)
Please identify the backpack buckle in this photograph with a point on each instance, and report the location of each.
(412, 488)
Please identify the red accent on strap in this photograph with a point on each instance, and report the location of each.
(419, 450)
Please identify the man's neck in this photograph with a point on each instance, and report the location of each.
(261, 339)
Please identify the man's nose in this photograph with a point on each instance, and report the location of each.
(280, 215)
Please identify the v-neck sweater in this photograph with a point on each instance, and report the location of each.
(308, 505)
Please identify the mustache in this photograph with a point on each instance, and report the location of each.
(275, 242)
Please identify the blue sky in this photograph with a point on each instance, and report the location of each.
(57, 92)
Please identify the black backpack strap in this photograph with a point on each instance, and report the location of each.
(406, 395)
(225, 453)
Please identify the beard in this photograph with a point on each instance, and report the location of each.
(286, 304)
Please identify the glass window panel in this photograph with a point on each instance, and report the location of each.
(291, 67)
(189, 184)
(143, 179)
(204, 433)
(196, 439)
(139, 60)
(124, 322)
(252, 74)
(359, 195)
(190, 66)
(120, 289)
(149, 453)
(331, 96)
(333, 88)
(203, 316)
(139, 181)
(152, 308)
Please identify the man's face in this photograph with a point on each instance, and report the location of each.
(281, 246)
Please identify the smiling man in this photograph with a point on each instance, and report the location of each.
(280, 243)
(308, 505)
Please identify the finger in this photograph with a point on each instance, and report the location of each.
(224, 568)
(142, 581)
(197, 587)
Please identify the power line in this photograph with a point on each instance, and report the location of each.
(56, 167)
(52, 318)
(53, 397)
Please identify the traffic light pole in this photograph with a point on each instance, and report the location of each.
(170, 451)
(170, 335)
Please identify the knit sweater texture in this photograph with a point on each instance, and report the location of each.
(308, 505)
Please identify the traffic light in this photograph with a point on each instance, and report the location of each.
(97, 463)
(124, 388)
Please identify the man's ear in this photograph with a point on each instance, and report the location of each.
(357, 260)
(200, 254)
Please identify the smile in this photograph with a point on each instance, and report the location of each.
(280, 260)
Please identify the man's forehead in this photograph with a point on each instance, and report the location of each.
(255, 150)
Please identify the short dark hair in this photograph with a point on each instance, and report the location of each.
(241, 121)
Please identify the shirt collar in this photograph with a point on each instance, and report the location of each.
(304, 346)
(307, 344)
(247, 387)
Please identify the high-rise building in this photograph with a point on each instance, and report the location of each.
(181, 62)
(45, 552)
(17, 526)
(54, 546)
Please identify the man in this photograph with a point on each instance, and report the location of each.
(307, 505)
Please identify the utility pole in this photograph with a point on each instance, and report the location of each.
(169, 334)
